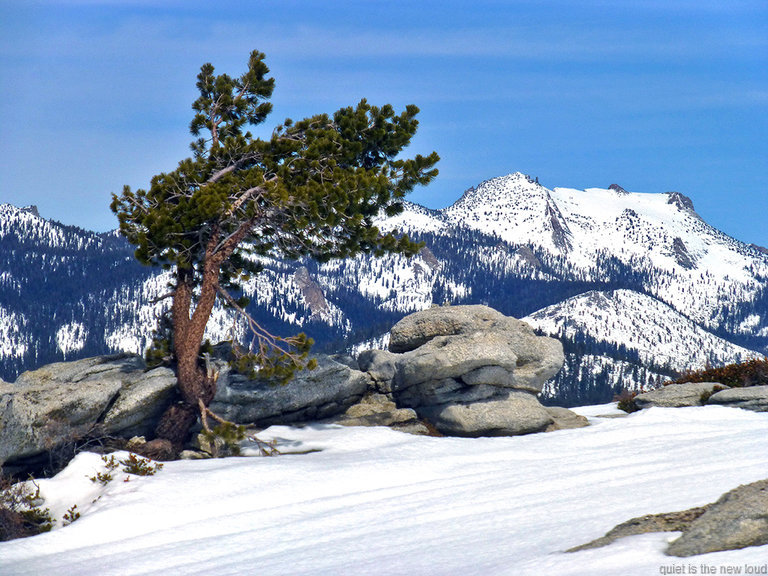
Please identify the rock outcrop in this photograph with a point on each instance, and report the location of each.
(311, 291)
(739, 519)
(754, 398)
(665, 522)
(376, 409)
(468, 370)
(564, 419)
(317, 394)
(511, 413)
(677, 395)
(63, 402)
(380, 365)
(117, 396)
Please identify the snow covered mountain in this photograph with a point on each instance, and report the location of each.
(668, 338)
(637, 286)
(683, 261)
(649, 340)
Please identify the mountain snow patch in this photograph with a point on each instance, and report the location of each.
(660, 335)
(12, 331)
(71, 338)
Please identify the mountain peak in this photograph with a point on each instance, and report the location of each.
(515, 208)
(30, 229)
(618, 189)
(681, 201)
(32, 209)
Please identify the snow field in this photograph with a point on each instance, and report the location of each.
(374, 501)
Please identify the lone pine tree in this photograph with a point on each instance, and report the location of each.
(312, 189)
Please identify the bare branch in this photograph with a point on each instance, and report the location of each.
(245, 159)
(243, 198)
(264, 338)
(161, 298)
(265, 448)
(203, 415)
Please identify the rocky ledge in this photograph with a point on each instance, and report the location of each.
(61, 403)
(468, 370)
(464, 370)
(754, 398)
(737, 520)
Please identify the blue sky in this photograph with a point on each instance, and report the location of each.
(652, 95)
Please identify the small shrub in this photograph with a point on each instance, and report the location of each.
(224, 439)
(105, 477)
(706, 395)
(750, 373)
(20, 514)
(133, 464)
(71, 515)
(139, 466)
(626, 401)
(431, 429)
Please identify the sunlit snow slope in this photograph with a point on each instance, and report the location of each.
(667, 338)
(377, 502)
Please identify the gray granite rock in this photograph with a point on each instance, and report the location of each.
(380, 365)
(141, 401)
(469, 370)
(446, 391)
(378, 410)
(453, 356)
(417, 329)
(666, 522)
(676, 395)
(63, 402)
(316, 394)
(564, 419)
(737, 520)
(498, 351)
(517, 413)
(753, 398)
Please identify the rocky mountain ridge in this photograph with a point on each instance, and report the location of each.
(637, 286)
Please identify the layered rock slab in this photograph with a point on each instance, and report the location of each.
(63, 402)
(677, 395)
(754, 398)
(468, 370)
(316, 394)
(510, 414)
(739, 519)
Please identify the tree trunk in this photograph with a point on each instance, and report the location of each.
(194, 382)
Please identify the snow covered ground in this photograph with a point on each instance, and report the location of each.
(377, 502)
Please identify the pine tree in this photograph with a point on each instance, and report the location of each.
(312, 189)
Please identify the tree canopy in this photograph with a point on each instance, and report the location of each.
(313, 189)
